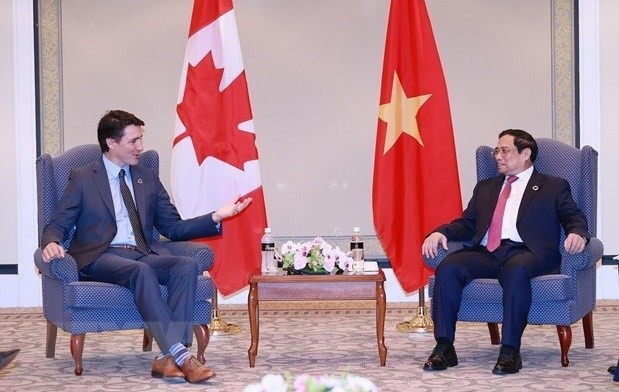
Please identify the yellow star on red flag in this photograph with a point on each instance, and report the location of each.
(400, 114)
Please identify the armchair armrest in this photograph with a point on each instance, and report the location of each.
(451, 245)
(201, 253)
(593, 252)
(64, 269)
(569, 264)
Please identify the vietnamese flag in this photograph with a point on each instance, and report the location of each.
(416, 186)
(214, 156)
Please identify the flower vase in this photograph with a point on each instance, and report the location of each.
(309, 271)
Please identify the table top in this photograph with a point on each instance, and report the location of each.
(282, 277)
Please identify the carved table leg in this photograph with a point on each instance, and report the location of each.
(253, 322)
(381, 306)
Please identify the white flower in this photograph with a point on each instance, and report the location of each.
(289, 247)
(316, 255)
(329, 259)
(356, 383)
(269, 383)
(253, 388)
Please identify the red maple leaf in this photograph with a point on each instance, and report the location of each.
(211, 118)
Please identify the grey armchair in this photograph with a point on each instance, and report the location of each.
(79, 307)
(559, 299)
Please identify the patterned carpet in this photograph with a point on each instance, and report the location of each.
(319, 340)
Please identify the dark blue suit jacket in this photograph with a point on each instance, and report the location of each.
(87, 205)
(547, 206)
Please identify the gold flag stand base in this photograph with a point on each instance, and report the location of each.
(220, 326)
(420, 323)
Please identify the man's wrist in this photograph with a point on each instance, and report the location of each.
(216, 217)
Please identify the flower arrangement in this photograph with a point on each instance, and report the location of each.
(315, 256)
(307, 383)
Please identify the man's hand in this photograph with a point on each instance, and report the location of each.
(52, 251)
(231, 209)
(430, 245)
(574, 243)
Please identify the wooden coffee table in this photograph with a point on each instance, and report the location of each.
(347, 287)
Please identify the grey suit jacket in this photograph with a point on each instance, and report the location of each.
(87, 205)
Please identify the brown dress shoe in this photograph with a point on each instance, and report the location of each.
(195, 372)
(166, 368)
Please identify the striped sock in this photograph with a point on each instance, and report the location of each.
(180, 353)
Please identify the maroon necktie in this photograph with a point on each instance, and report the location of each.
(494, 231)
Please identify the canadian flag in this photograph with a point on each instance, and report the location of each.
(214, 155)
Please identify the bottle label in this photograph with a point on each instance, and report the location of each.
(356, 245)
(268, 247)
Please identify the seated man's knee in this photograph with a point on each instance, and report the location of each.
(143, 272)
(187, 265)
(516, 274)
(448, 266)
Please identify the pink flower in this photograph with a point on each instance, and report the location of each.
(289, 247)
(300, 383)
(329, 259)
(299, 261)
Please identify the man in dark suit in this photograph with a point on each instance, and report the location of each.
(112, 203)
(513, 243)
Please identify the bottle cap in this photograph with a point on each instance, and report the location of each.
(355, 229)
(267, 229)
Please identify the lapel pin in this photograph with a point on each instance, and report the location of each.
(534, 187)
(140, 181)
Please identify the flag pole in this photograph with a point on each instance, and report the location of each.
(218, 325)
(421, 323)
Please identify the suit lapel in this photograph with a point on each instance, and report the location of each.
(495, 190)
(535, 184)
(103, 186)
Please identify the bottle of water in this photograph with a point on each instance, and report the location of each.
(269, 264)
(356, 250)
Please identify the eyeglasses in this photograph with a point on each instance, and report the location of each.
(504, 151)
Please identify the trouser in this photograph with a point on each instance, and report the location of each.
(511, 263)
(169, 322)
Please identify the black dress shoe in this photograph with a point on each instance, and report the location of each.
(509, 362)
(443, 356)
(612, 369)
(6, 357)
